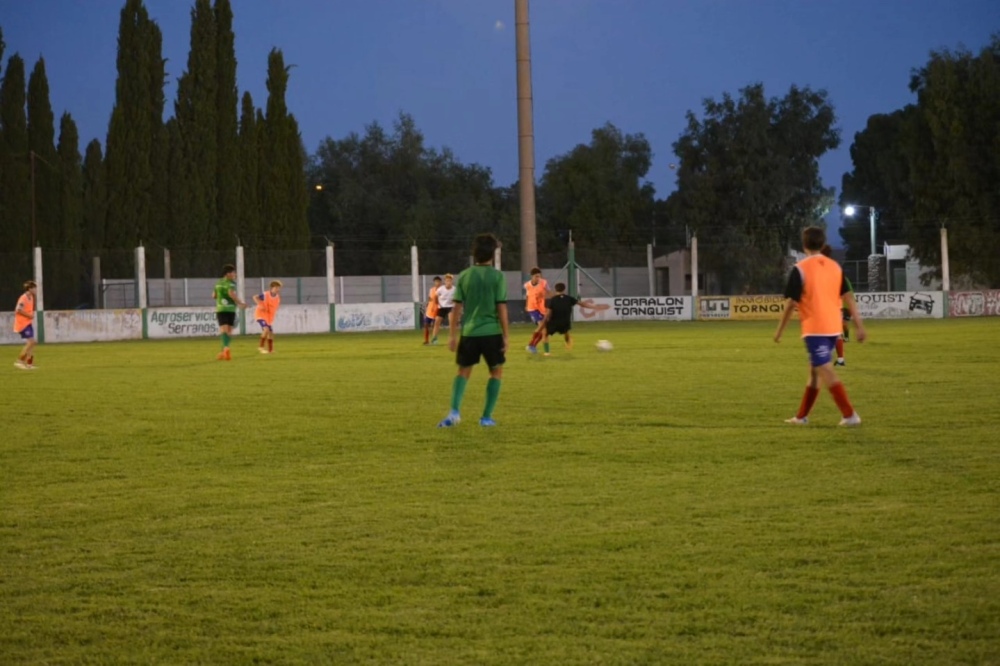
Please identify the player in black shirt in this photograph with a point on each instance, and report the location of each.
(559, 319)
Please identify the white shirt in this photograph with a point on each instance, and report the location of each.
(446, 296)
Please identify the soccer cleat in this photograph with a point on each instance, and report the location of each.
(487, 422)
(851, 420)
(228, 354)
(450, 421)
(262, 350)
(797, 421)
(221, 356)
(546, 354)
(21, 365)
(531, 349)
(434, 340)
(840, 362)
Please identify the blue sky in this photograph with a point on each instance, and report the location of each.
(640, 64)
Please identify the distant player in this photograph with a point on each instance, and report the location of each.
(24, 325)
(817, 287)
(827, 251)
(559, 318)
(445, 298)
(430, 312)
(481, 293)
(226, 301)
(537, 290)
(267, 307)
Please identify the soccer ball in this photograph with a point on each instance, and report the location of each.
(604, 345)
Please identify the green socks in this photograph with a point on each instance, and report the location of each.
(225, 340)
(546, 348)
(457, 391)
(492, 393)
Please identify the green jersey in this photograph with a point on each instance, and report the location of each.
(223, 303)
(479, 289)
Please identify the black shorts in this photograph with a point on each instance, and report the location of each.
(226, 318)
(490, 347)
(557, 327)
(444, 312)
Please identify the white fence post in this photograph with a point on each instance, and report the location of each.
(415, 274)
(496, 259)
(39, 286)
(140, 277)
(694, 269)
(331, 283)
(945, 267)
(652, 273)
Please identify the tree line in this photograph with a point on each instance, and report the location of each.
(222, 170)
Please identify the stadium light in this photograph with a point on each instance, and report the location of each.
(851, 210)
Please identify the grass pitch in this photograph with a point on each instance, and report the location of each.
(643, 506)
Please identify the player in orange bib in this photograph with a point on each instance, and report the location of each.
(24, 325)
(816, 286)
(431, 311)
(536, 290)
(267, 307)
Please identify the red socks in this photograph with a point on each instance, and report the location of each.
(535, 338)
(270, 344)
(808, 400)
(840, 397)
(840, 348)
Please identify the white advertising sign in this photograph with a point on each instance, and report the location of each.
(190, 322)
(634, 308)
(356, 317)
(7, 334)
(901, 305)
(295, 319)
(92, 325)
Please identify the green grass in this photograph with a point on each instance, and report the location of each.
(644, 506)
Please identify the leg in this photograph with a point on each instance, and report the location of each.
(545, 340)
(808, 399)
(437, 327)
(270, 339)
(492, 395)
(224, 332)
(457, 392)
(839, 393)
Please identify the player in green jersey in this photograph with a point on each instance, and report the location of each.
(481, 294)
(226, 302)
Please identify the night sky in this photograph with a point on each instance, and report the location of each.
(640, 64)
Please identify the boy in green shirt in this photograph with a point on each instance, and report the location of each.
(226, 300)
(481, 294)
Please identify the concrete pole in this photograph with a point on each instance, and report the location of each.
(652, 273)
(496, 259)
(166, 277)
(945, 267)
(39, 282)
(871, 223)
(95, 280)
(525, 138)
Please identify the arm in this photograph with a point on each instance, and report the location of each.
(786, 316)
(454, 319)
(504, 322)
(236, 299)
(852, 307)
(256, 299)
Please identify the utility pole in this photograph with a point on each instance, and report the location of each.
(525, 139)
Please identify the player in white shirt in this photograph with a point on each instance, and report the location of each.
(446, 299)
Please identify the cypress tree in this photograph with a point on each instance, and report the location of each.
(158, 230)
(95, 200)
(16, 178)
(228, 179)
(70, 214)
(129, 146)
(284, 201)
(195, 112)
(41, 142)
(249, 200)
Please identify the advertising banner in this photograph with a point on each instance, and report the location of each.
(358, 317)
(636, 308)
(713, 307)
(92, 325)
(189, 322)
(755, 308)
(974, 303)
(292, 319)
(901, 305)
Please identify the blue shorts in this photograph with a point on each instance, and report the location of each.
(536, 316)
(28, 332)
(429, 321)
(264, 326)
(820, 348)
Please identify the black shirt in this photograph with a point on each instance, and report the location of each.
(561, 307)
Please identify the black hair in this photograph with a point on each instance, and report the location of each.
(483, 248)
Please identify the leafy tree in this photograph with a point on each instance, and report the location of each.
(748, 180)
(597, 191)
(248, 155)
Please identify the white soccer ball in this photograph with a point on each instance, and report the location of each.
(604, 345)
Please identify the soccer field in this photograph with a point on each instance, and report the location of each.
(642, 506)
